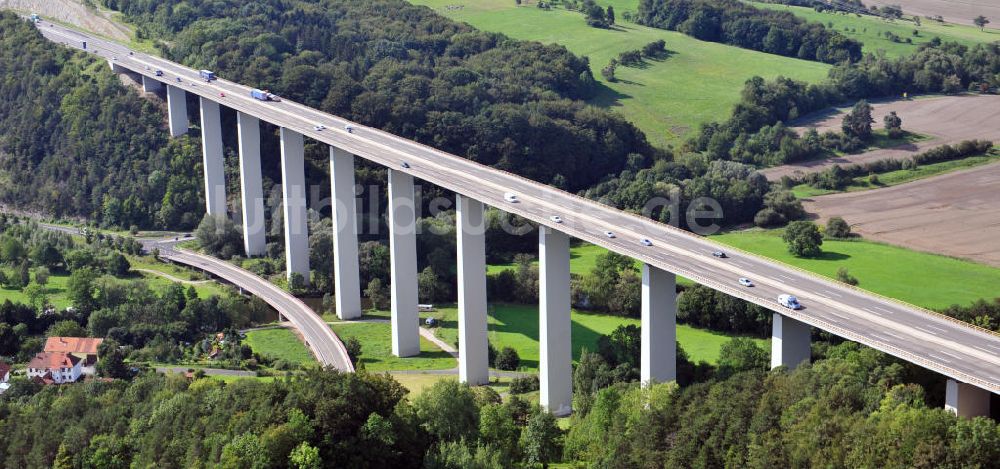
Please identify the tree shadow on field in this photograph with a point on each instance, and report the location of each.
(831, 256)
(607, 97)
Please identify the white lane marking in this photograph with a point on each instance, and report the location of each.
(951, 355)
(937, 328)
(785, 277)
(833, 293)
(821, 295)
(981, 348)
(925, 330)
(882, 309)
(938, 358)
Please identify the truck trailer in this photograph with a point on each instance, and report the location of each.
(207, 75)
(263, 95)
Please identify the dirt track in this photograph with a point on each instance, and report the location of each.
(72, 12)
(947, 119)
(955, 214)
(953, 11)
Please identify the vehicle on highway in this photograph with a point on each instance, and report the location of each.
(131, 53)
(263, 95)
(789, 301)
(556, 218)
(207, 75)
(222, 95)
(510, 197)
(405, 165)
(646, 242)
(35, 18)
(720, 254)
(187, 235)
(610, 234)
(349, 128)
(319, 127)
(178, 79)
(425, 307)
(745, 282)
(159, 73)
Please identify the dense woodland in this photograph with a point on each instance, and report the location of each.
(743, 25)
(76, 143)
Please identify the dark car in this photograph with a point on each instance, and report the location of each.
(720, 254)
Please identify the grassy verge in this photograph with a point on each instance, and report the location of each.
(280, 344)
(376, 349)
(667, 98)
(871, 31)
(902, 176)
(923, 279)
(517, 326)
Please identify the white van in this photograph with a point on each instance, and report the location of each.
(425, 307)
(789, 301)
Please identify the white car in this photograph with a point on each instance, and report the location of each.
(745, 282)
(556, 218)
(789, 301)
(646, 242)
(319, 127)
(609, 234)
(510, 197)
(349, 128)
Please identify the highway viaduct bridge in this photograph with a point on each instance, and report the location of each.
(968, 356)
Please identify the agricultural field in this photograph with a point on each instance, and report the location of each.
(927, 280)
(517, 326)
(871, 31)
(667, 98)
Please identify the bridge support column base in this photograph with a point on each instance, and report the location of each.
(555, 369)
(150, 85)
(658, 357)
(790, 342)
(473, 359)
(966, 400)
(403, 265)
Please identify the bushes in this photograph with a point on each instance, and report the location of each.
(507, 359)
(524, 384)
(836, 227)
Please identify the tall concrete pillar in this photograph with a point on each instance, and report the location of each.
(211, 149)
(346, 271)
(473, 349)
(966, 400)
(177, 111)
(293, 184)
(403, 265)
(789, 342)
(251, 190)
(658, 356)
(555, 369)
(150, 85)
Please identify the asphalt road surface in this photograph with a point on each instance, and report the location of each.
(952, 348)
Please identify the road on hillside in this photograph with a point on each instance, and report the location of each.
(950, 347)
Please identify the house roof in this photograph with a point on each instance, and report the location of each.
(50, 360)
(84, 345)
(4, 369)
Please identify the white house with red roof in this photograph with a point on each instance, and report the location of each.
(55, 368)
(84, 348)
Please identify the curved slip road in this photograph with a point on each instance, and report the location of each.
(320, 339)
(950, 347)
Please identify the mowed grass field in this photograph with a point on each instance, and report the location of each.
(666, 98)
(376, 349)
(517, 326)
(280, 344)
(582, 260)
(871, 30)
(927, 280)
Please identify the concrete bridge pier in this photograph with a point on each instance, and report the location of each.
(293, 184)
(251, 190)
(177, 111)
(403, 265)
(473, 358)
(966, 400)
(790, 342)
(346, 271)
(211, 146)
(555, 368)
(150, 85)
(658, 356)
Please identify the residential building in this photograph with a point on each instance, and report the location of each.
(55, 368)
(84, 348)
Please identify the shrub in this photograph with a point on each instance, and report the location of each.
(524, 384)
(838, 228)
(844, 276)
(507, 359)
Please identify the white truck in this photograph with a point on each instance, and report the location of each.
(789, 301)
